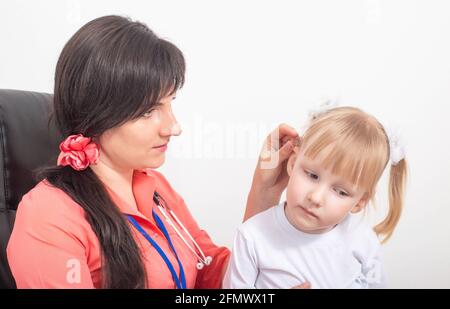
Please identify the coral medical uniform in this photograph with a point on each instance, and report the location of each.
(52, 240)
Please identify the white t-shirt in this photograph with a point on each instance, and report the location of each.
(269, 252)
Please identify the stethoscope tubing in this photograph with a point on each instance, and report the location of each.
(204, 260)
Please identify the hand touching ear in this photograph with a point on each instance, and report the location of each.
(270, 177)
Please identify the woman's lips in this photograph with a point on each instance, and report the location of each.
(161, 148)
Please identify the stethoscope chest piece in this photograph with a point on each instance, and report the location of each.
(207, 261)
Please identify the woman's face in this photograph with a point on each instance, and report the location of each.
(140, 143)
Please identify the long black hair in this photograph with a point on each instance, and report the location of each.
(112, 70)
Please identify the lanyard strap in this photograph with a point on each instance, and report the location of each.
(176, 278)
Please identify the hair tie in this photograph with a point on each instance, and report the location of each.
(322, 107)
(78, 152)
(397, 146)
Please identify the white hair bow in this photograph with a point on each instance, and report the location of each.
(321, 108)
(396, 145)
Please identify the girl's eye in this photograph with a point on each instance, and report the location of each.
(341, 192)
(312, 175)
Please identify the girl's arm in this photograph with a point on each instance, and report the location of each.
(369, 253)
(373, 268)
(242, 268)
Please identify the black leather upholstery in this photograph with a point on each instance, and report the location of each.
(27, 141)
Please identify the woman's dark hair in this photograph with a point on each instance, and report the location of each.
(112, 70)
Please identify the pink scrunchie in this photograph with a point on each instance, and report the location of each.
(78, 152)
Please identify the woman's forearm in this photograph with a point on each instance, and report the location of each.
(259, 200)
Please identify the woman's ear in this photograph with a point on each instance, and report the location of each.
(361, 204)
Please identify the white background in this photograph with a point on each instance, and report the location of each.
(254, 64)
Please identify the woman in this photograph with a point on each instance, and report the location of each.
(97, 219)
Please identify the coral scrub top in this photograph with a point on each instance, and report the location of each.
(52, 244)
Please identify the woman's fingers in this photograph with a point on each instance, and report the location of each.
(277, 148)
(280, 136)
(286, 133)
(284, 140)
(286, 151)
(305, 285)
(287, 130)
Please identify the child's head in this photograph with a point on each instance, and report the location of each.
(335, 169)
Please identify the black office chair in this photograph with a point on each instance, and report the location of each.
(27, 141)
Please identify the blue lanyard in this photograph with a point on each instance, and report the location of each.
(180, 285)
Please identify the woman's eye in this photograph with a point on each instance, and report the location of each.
(148, 114)
(152, 110)
(312, 175)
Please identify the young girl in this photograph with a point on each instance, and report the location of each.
(313, 237)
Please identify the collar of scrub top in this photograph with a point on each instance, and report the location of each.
(180, 280)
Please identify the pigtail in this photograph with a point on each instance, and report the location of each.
(397, 182)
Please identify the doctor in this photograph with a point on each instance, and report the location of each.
(102, 217)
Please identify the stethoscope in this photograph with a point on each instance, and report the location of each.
(203, 260)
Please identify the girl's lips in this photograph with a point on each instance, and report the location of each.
(308, 212)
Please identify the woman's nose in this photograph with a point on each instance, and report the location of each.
(170, 126)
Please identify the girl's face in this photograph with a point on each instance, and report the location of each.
(140, 143)
(317, 200)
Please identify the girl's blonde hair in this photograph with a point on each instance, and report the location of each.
(354, 145)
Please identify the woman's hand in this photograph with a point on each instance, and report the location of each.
(305, 285)
(270, 177)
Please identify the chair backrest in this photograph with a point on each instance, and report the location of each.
(27, 141)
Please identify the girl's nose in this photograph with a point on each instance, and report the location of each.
(316, 196)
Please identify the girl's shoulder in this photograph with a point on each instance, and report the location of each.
(359, 233)
(261, 225)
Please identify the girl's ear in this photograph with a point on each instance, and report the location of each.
(293, 157)
(291, 162)
(361, 204)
